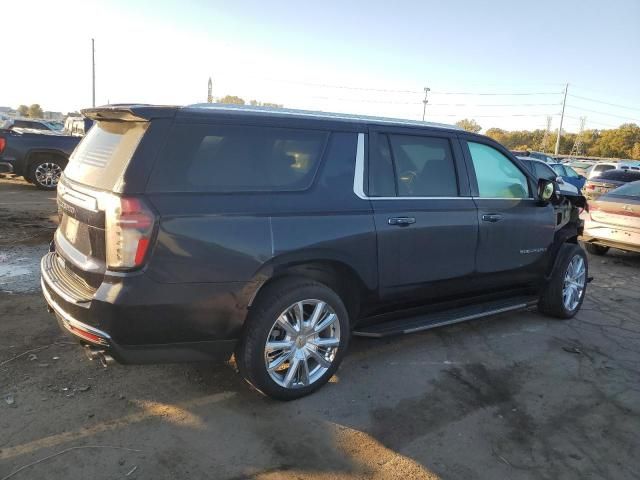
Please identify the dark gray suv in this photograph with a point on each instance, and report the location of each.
(190, 233)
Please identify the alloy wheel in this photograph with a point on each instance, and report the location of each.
(575, 279)
(302, 344)
(47, 174)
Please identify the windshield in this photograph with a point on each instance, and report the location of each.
(101, 158)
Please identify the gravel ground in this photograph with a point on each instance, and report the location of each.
(518, 396)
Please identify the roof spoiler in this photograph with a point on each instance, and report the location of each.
(129, 112)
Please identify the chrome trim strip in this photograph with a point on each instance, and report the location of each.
(77, 198)
(358, 182)
(68, 318)
(358, 178)
(73, 255)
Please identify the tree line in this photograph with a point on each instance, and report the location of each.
(234, 100)
(32, 111)
(621, 142)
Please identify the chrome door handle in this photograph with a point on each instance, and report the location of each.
(401, 221)
(491, 217)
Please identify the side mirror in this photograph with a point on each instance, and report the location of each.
(546, 189)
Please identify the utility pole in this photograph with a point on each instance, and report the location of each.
(93, 72)
(545, 137)
(564, 104)
(425, 101)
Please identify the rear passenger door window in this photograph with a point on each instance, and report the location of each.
(413, 166)
(497, 176)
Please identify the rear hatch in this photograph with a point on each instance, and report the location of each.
(96, 169)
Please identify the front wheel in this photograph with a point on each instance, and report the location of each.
(564, 294)
(295, 338)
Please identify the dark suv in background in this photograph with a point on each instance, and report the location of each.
(194, 232)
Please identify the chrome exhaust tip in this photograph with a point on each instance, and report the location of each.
(94, 353)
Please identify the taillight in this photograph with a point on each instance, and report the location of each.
(590, 186)
(129, 226)
(3, 143)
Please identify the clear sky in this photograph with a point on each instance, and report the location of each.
(381, 54)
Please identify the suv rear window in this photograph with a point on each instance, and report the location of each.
(102, 156)
(226, 158)
(619, 175)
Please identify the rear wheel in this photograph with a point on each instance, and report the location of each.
(295, 338)
(596, 249)
(45, 173)
(565, 291)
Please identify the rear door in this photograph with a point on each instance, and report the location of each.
(425, 219)
(515, 232)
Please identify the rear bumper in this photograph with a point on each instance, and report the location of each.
(609, 236)
(136, 320)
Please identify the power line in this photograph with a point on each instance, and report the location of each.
(604, 113)
(604, 103)
(497, 94)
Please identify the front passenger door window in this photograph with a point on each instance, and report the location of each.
(496, 174)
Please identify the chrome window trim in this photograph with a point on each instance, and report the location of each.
(358, 182)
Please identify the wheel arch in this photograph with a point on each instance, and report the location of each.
(33, 156)
(567, 234)
(334, 273)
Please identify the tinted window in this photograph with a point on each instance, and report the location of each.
(102, 156)
(544, 171)
(559, 169)
(497, 175)
(571, 172)
(629, 189)
(619, 175)
(424, 166)
(381, 176)
(204, 158)
(603, 168)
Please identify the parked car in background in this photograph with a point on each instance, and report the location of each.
(31, 124)
(600, 167)
(569, 175)
(543, 170)
(613, 220)
(537, 155)
(607, 181)
(77, 126)
(629, 165)
(189, 233)
(581, 166)
(38, 157)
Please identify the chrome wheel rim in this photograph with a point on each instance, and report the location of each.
(302, 344)
(47, 174)
(574, 282)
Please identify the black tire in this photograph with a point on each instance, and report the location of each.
(270, 304)
(596, 249)
(55, 165)
(551, 301)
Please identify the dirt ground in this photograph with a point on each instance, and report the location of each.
(518, 396)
